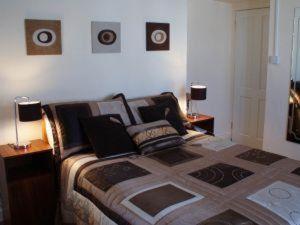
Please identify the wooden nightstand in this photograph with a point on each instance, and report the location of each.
(204, 122)
(27, 185)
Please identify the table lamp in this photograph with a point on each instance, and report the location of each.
(198, 93)
(25, 111)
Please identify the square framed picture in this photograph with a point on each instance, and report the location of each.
(43, 37)
(158, 36)
(106, 37)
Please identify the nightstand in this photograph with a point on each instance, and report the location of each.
(27, 185)
(204, 122)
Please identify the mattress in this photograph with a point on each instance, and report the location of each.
(190, 184)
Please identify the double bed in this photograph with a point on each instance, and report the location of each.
(187, 185)
(205, 181)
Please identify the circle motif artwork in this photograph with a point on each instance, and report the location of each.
(159, 37)
(107, 37)
(44, 37)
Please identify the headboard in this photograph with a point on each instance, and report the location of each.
(68, 139)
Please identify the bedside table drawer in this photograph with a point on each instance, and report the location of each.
(28, 166)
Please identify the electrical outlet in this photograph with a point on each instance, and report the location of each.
(274, 60)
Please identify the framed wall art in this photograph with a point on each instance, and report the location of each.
(43, 37)
(106, 37)
(158, 36)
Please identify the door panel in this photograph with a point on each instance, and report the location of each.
(264, 53)
(244, 121)
(261, 119)
(251, 60)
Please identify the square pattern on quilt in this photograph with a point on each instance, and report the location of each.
(260, 157)
(214, 143)
(174, 157)
(221, 175)
(105, 177)
(228, 217)
(151, 206)
(297, 171)
(282, 199)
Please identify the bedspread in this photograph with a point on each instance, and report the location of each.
(201, 182)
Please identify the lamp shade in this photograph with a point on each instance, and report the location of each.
(30, 111)
(198, 92)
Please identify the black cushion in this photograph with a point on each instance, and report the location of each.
(163, 111)
(68, 118)
(170, 99)
(108, 135)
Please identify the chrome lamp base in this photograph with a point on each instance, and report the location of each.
(194, 115)
(22, 146)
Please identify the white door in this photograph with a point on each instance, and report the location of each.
(251, 60)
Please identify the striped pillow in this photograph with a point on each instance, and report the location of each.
(65, 131)
(155, 136)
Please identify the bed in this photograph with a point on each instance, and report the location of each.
(187, 185)
(207, 180)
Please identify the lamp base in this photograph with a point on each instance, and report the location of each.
(194, 116)
(22, 146)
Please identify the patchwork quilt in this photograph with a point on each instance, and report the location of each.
(191, 184)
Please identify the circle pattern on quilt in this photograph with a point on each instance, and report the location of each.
(159, 37)
(44, 37)
(107, 37)
(280, 193)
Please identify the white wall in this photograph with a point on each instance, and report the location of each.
(278, 86)
(78, 74)
(209, 58)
